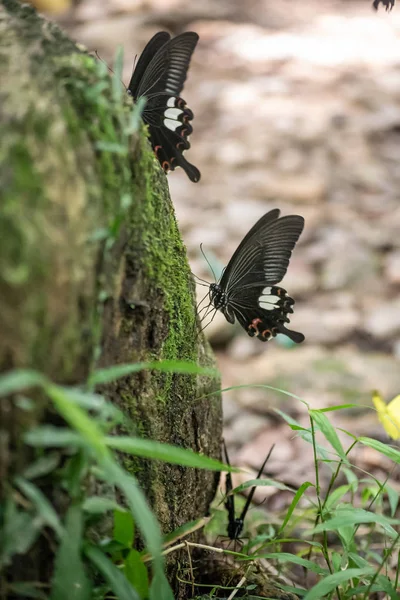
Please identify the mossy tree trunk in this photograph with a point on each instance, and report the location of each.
(92, 267)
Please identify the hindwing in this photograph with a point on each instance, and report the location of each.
(159, 76)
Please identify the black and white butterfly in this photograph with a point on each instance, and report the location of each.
(236, 524)
(247, 290)
(159, 77)
(388, 4)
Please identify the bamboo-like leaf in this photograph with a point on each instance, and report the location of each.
(354, 516)
(384, 449)
(294, 503)
(327, 429)
(330, 582)
(114, 577)
(42, 505)
(165, 452)
(70, 581)
(109, 374)
(20, 379)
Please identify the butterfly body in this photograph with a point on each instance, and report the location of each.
(159, 76)
(247, 290)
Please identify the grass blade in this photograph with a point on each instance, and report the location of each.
(18, 380)
(114, 577)
(107, 375)
(327, 429)
(70, 581)
(331, 582)
(165, 452)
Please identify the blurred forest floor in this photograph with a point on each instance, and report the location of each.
(297, 106)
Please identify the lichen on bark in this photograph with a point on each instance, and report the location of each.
(93, 270)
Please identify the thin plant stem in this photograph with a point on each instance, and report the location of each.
(371, 583)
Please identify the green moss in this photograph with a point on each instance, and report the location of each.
(165, 264)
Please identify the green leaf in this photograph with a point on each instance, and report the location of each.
(287, 557)
(20, 532)
(294, 503)
(75, 471)
(70, 581)
(142, 514)
(289, 420)
(165, 452)
(42, 466)
(77, 418)
(354, 516)
(135, 118)
(18, 380)
(159, 588)
(327, 429)
(42, 505)
(25, 589)
(136, 573)
(393, 497)
(384, 449)
(124, 528)
(337, 495)
(97, 505)
(261, 483)
(338, 407)
(103, 376)
(330, 582)
(48, 436)
(114, 577)
(184, 530)
(261, 385)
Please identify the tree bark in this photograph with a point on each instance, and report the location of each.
(93, 271)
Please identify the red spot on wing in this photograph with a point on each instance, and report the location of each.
(254, 327)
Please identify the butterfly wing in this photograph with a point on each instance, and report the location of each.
(160, 76)
(229, 499)
(393, 409)
(253, 489)
(167, 70)
(151, 49)
(260, 261)
(388, 4)
(263, 311)
(388, 414)
(262, 257)
(169, 148)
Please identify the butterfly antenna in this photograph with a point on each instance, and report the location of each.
(253, 489)
(208, 262)
(108, 67)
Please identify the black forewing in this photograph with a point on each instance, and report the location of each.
(229, 499)
(166, 72)
(156, 42)
(263, 255)
(253, 489)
